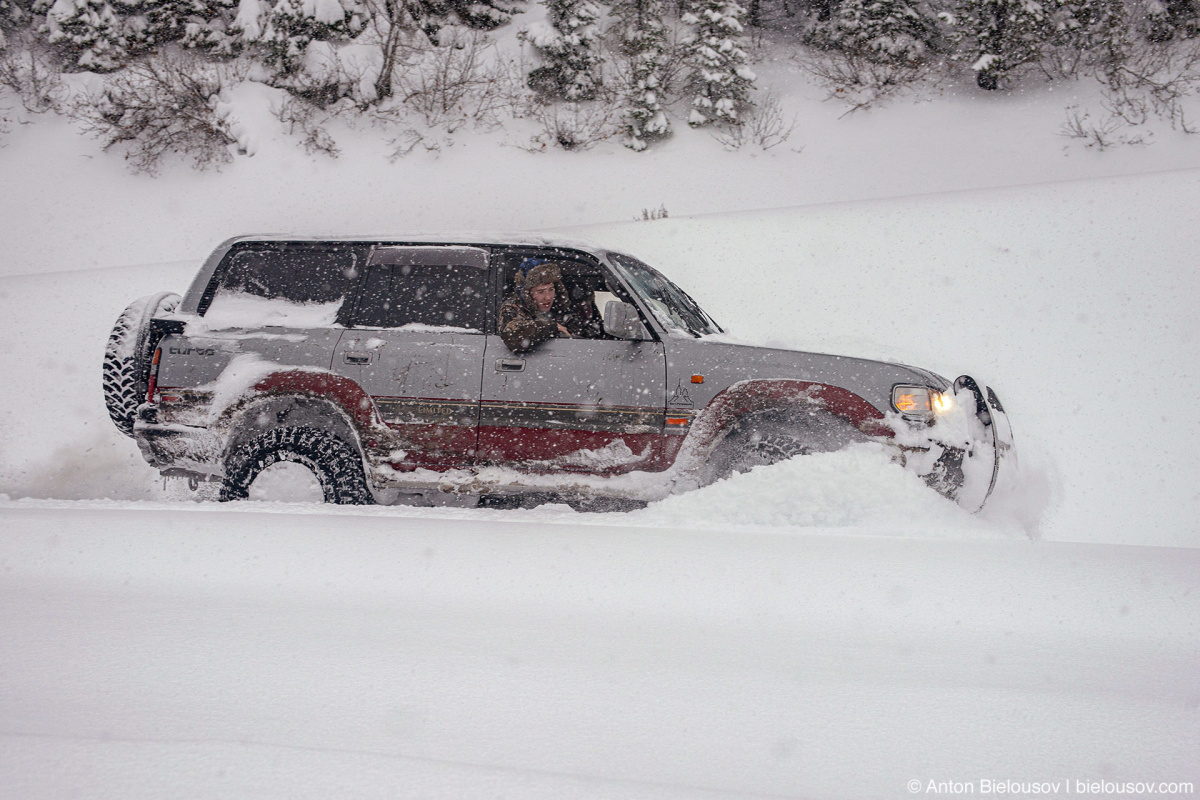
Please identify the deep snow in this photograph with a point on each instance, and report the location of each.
(1075, 300)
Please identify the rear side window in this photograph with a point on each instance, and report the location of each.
(394, 296)
(298, 287)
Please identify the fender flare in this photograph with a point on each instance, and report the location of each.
(303, 397)
(783, 394)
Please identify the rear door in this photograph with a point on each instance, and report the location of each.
(416, 345)
(590, 405)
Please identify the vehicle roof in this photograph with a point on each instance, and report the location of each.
(486, 238)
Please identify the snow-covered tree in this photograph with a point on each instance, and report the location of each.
(1166, 19)
(294, 23)
(998, 36)
(203, 24)
(92, 32)
(478, 14)
(1062, 37)
(644, 41)
(882, 31)
(1092, 35)
(569, 47)
(13, 14)
(720, 78)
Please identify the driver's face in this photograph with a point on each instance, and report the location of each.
(543, 296)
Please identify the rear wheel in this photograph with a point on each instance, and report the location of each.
(768, 438)
(127, 357)
(335, 464)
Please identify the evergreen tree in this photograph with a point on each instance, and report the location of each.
(1092, 34)
(1166, 19)
(294, 23)
(720, 78)
(478, 14)
(1063, 37)
(13, 14)
(203, 24)
(92, 33)
(998, 36)
(570, 48)
(644, 40)
(882, 31)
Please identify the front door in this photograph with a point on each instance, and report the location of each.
(579, 405)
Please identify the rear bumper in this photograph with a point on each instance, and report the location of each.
(171, 446)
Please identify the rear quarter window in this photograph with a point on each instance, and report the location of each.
(288, 287)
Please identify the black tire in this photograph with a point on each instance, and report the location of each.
(768, 438)
(126, 373)
(336, 464)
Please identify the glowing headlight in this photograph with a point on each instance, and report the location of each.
(942, 402)
(921, 401)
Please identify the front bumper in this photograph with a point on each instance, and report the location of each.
(969, 472)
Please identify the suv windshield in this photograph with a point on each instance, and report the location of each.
(670, 305)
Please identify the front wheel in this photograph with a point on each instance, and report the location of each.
(768, 438)
(335, 464)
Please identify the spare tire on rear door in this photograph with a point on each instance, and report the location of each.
(127, 357)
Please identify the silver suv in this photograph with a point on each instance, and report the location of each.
(378, 365)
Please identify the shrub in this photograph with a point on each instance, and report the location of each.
(163, 105)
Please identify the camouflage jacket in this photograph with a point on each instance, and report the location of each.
(522, 329)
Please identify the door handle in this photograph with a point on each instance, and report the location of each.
(356, 358)
(510, 365)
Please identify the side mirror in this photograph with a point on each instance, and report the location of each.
(621, 320)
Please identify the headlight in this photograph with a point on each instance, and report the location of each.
(921, 401)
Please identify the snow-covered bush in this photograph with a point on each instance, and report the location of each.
(720, 80)
(307, 122)
(35, 79)
(1154, 79)
(576, 126)
(643, 42)
(569, 48)
(764, 125)
(162, 105)
(452, 83)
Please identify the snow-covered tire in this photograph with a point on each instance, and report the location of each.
(127, 357)
(336, 464)
(768, 438)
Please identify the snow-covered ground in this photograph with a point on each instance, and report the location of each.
(826, 627)
(219, 652)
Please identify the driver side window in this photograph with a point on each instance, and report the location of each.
(587, 289)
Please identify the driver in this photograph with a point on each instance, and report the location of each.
(538, 308)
